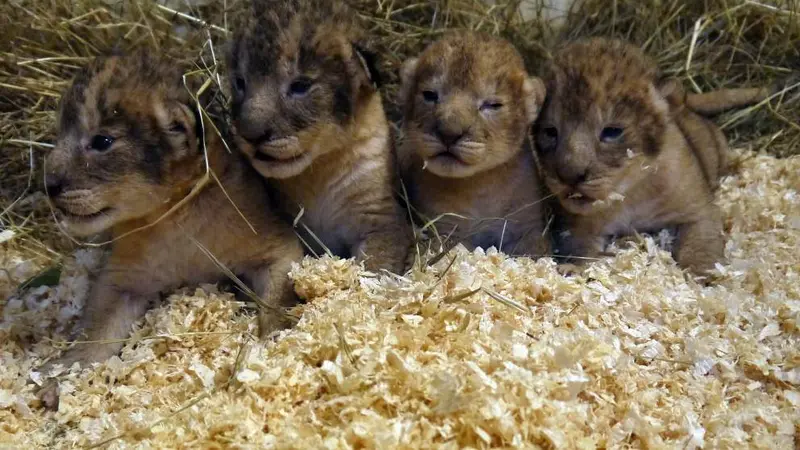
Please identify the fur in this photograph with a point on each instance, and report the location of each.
(465, 155)
(309, 118)
(623, 151)
(154, 160)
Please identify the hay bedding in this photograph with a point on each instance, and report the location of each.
(478, 351)
(631, 354)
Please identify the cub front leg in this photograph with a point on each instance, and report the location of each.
(576, 249)
(386, 248)
(532, 243)
(701, 243)
(109, 314)
(272, 284)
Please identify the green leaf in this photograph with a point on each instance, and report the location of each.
(47, 277)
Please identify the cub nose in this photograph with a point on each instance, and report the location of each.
(253, 130)
(448, 135)
(54, 185)
(572, 175)
(256, 135)
(266, 136)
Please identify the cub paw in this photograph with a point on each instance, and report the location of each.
(48, 394)
(700, 263)
(570, 269)
(270, 322)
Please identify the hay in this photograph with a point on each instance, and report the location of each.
(478, 351)
(732, 43)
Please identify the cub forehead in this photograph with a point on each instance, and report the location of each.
(600, 73)
(280, 33)
(611, 61)
(472, 61)
(115, 85)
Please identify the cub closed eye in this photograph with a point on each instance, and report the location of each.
(177, 127)
(491, 105)
(611, 134)
(547, 138)
(300, 86)
(101, 143)
(430, 96)
(240, 84)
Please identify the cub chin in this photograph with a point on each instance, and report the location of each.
(465, 157)
(624, 151)
(309, 118)
(131, 147)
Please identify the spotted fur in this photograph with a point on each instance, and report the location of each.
(623, 151)
(466, 162)
(309, 118)
(128, 150)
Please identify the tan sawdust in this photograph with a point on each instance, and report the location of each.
(630, 354)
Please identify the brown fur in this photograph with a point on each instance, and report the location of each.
(310, 119)
(153, 163)
(624, 152)
(468, 105)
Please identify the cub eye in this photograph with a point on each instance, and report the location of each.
(550, 132)
(300, 86)
(491, 105)
(101, 143)
(548, 138)
(240, 84)
(177, 127)
(610, 134)
(430, 96)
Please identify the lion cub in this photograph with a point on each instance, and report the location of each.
(465, 159)
(624, 152)
(130, 147)
(310, 119)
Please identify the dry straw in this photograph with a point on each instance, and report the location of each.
(688, 364)
(707, 44)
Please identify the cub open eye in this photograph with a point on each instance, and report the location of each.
(491, 105)
(240, 84)
(610, 134)
(300, 86)
(430, 96)
(101, 143)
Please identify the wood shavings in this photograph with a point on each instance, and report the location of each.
(630, 354)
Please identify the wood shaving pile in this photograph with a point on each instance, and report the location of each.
(629, 354)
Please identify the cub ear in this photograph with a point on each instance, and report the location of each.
(534, 91)
(668, 87)
(180, 125)
(369, 62)
(408, 69)
(407, 78)
(669, 94)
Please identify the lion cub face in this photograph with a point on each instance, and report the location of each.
(126, 134)
(297, 82)
(602, 123)
(468, 103)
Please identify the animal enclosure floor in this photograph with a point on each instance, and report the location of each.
(479, 351)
